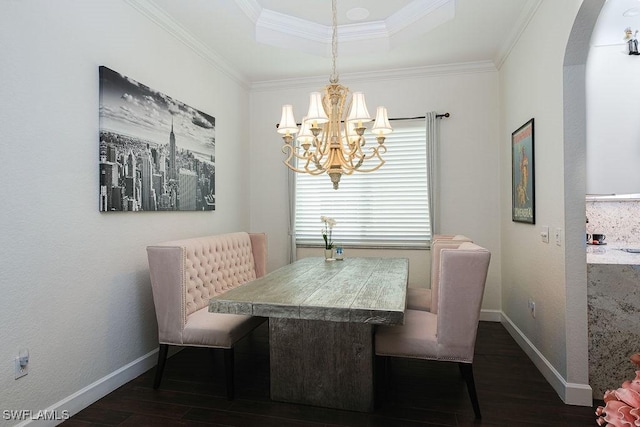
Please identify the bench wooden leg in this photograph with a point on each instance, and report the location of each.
(229, 370)
(162, 359)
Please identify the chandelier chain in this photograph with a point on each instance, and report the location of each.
(334, 41)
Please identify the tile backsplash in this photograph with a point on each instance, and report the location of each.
(619, 220)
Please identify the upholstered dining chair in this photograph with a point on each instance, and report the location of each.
(420, 298)
(449, 335)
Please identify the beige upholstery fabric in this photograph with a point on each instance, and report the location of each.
(185, 274)
(458, 237)
(417, 337)
(462, 277)
(204, 329)
(436, 249)
(421, 298)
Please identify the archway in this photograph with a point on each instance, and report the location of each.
(574, 108)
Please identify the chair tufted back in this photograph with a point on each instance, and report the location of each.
(185, 274)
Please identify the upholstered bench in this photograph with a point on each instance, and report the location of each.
(185, 274)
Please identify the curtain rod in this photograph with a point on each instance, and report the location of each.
(438, 116)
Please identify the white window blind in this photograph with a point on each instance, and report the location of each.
(385, 208)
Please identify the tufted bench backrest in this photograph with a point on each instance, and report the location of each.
(185, 274)
(214, 265)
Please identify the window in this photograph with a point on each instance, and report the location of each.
(385, 208)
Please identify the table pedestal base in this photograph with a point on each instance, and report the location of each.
(322, 363)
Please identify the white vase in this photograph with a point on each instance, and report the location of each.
(328, 254)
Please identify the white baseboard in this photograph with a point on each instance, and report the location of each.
(81, 399)
(570, 393)
(491, 315)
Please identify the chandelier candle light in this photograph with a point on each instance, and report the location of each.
(329, 141)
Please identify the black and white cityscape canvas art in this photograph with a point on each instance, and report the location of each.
(156, 153)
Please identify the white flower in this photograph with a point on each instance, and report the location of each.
(329, 223)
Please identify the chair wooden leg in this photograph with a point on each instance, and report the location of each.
(467, 372)
(162, 359)
(229, 370)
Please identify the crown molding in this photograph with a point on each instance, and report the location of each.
(376, 76)
(251, 8)
(527, 14)
(158, 16)
(291, 26)
(273, 27)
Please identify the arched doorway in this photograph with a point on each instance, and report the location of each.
(574, 108)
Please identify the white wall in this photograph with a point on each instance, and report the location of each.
(469, 155)
(613, 125)
(74, 282)
(531, 85)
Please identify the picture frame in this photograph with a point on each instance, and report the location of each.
(156, 152)
(523, 207)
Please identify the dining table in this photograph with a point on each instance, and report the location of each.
(322, 318)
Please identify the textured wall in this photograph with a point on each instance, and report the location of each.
(74, 281)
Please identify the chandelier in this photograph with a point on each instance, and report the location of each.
(330, 141)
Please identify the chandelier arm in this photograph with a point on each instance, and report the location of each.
(306, 159)
(352, 150)
(305, 170)
(322, 148)
(373, 169)
(376, 152)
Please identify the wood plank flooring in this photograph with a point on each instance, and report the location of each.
(511, 390)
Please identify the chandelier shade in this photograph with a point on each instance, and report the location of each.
(381, 125)
(358, 112)
(331, 138)
(288, 123)
(316, 111)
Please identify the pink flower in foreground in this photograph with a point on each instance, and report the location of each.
(622, 406)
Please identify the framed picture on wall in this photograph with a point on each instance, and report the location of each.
(156, 153)
(523, 206)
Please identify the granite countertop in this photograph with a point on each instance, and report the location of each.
(612, 254)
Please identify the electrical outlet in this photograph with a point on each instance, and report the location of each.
(20, 371)
(532, 308)
(559, 236)
(544, 234)
(22, 363)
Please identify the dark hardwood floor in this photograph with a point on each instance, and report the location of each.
(511, 390)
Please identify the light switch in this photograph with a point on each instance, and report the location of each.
(559, 236)
(544, 234)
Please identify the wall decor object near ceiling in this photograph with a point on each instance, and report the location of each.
(156, 153)
(523, 176)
